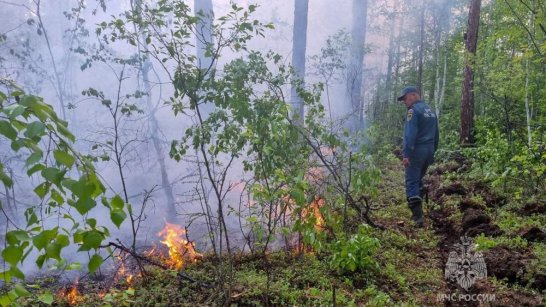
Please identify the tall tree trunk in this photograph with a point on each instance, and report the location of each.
(145, 67)
(527, 111)
(204, 41)
(299, 43)
(437, 80)
(467, 102)
(391, 52)
(442, 88)
(356, 67)
(397, 64)
(421, 50)
(59, 87)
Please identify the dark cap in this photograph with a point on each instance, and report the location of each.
(406, 90)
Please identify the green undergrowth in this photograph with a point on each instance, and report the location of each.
(403, 266)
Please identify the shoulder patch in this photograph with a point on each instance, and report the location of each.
(429, 113)
(409, 115)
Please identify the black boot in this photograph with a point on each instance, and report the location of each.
(423, 192)
(415, 204)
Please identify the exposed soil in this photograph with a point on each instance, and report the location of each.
(533, 234)
(502, 262)
(539, 281)
(486, 229)
(454, 188)
(476, 222)
(468, 203)
(533, 208)
(473, 218)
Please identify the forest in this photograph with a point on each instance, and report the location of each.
(252, 153)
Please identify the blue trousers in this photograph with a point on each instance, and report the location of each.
(419, 161)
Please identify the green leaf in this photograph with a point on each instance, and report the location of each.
(94, 263)
(78, 237)
(63, 240)
(91, 240)
(42, 189)
(42, 239)
(5, 300)
(6, 276)
(117, 217)
(4, 178)
(64, 158)
(28, 100)
(35, 168)
(65, 132)
(15, 272)
(14, 110)
(83, 205)
(298, 196)
(7, 130)
(31, 217)
(46, 298)
(117, 202)
(56, 196)
(34, 158)
(53, 174)
(35, 129)
(12, 254)
(40, 261)
(21, 291)
(81, 188)
(76, 266)
(17, 236)
(53, 250)
(92, 222)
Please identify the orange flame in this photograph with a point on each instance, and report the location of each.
(180, 250)
(72, 296)
(123, 272)
(314, 209)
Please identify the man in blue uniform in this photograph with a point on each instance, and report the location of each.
(421, 138)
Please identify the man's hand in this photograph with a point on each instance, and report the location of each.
(405, 162)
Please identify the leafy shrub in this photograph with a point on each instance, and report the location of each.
(27, 123)
(355, 253)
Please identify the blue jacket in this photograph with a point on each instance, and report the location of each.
(421, 128)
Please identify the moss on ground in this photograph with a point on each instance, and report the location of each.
(411, 262)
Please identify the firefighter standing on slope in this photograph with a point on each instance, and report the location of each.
(421, 138)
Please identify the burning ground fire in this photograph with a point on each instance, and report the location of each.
(314, 209)
(122, 271)
(71, 296)
(180, 252)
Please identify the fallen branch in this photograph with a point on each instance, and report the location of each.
(137, 256)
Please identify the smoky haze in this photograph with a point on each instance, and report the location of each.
(54, 52)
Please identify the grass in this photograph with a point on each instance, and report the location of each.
(410, 266)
